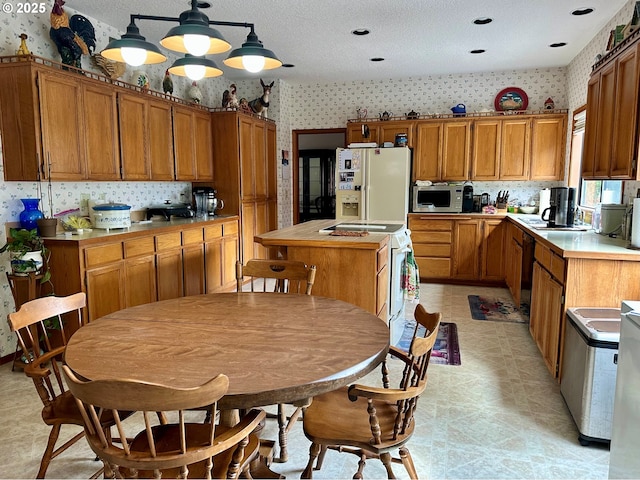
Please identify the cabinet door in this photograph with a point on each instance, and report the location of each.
(626, 115)
(105, 290)
(214, 258)
(140, 280)
(606, 118)
(466, 246)
(515, 149)
(193, 264)
(389, 130)
(591, 128)
(203, 146)
(492, 267)
(354, 133)
(247, 230)
(261, 226)
(456, 142)
(247, 165)
(160, 141)
(486, 150)
(62, 123)
(169, 274)
(101, 132)
(132, 115)
(514, 269)
(271, 154)
(260, 160)
(183, 143)
(548, 145)
(230, 257)
(427, 158)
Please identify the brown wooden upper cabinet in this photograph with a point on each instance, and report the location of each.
(611, 132)
(380, 132)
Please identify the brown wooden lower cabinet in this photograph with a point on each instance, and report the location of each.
(133, 268)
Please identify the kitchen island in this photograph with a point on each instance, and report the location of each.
(147, 262)
(349, 268)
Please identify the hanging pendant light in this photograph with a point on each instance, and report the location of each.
(252, 56)
(195, 68)
(194, 36)
(133, 49)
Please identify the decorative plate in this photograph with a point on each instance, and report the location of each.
(511, 98)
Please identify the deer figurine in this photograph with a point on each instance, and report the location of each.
(261, 104)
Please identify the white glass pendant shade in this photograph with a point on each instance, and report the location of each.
(197, 45)
(253, 63)
(195, 72)
(134, 56)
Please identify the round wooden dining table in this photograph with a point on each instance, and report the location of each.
(274, 347)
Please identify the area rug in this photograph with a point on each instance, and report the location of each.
(497, 309)
(446, 350)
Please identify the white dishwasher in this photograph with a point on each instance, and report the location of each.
(589, 369)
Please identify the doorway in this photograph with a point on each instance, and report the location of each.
(313, 168)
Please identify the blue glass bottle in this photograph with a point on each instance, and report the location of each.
(30, 214)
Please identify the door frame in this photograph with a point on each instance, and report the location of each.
(295, 164)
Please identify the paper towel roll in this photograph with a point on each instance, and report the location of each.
(635, 224)
(545, 200)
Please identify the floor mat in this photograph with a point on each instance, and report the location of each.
(497, 309)
(446, 350)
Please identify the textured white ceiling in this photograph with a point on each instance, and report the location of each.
(416, 37)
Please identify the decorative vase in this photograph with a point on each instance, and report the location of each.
(47, 227)
(29, 262)
(30, 214)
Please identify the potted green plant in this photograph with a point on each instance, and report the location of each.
(47, 226)
(27, 252)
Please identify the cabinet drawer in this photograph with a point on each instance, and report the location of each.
(543, 256)
(434, 267)
(382, 258)
(191, 237)
(211, 233)
(557, 267)
(230, 228)
(103, 254)
(431, 237)
(138, 246)
(167, 241)
(430, 225)
(432, 250)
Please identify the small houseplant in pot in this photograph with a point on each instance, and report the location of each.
(27, 252)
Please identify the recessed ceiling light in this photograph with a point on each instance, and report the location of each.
(360, 31)
(287, 65)
(377, 59)
(478, 50)
(483, 20)
(582, 11)
(559, 44)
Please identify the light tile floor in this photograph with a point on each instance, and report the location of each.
(498, 415)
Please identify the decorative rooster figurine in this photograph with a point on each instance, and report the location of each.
(73, 36)
(229, 98)
(167, 83)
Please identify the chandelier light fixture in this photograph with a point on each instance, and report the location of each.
(195, 38)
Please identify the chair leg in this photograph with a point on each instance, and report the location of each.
(323, 452)
(314, 450)
(48, 452)
(386, 460)
(407, 461)
(361, 464)
(282, 434)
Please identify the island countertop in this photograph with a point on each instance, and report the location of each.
(308, 234)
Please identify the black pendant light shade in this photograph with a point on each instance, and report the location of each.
(253, 48)
(133, 40)
(195, 67)
(194, 22)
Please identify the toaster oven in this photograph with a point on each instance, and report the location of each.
(437, 199)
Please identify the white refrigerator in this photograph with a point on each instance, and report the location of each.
(373, 183)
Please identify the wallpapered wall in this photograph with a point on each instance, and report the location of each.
(297, 106)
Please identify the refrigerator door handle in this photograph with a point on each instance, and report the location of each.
(364, 215)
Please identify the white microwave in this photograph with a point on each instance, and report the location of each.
(437, 199)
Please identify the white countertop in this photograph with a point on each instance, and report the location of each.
(580, 244)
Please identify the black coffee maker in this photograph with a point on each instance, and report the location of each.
(562, 205)
(467, 198)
